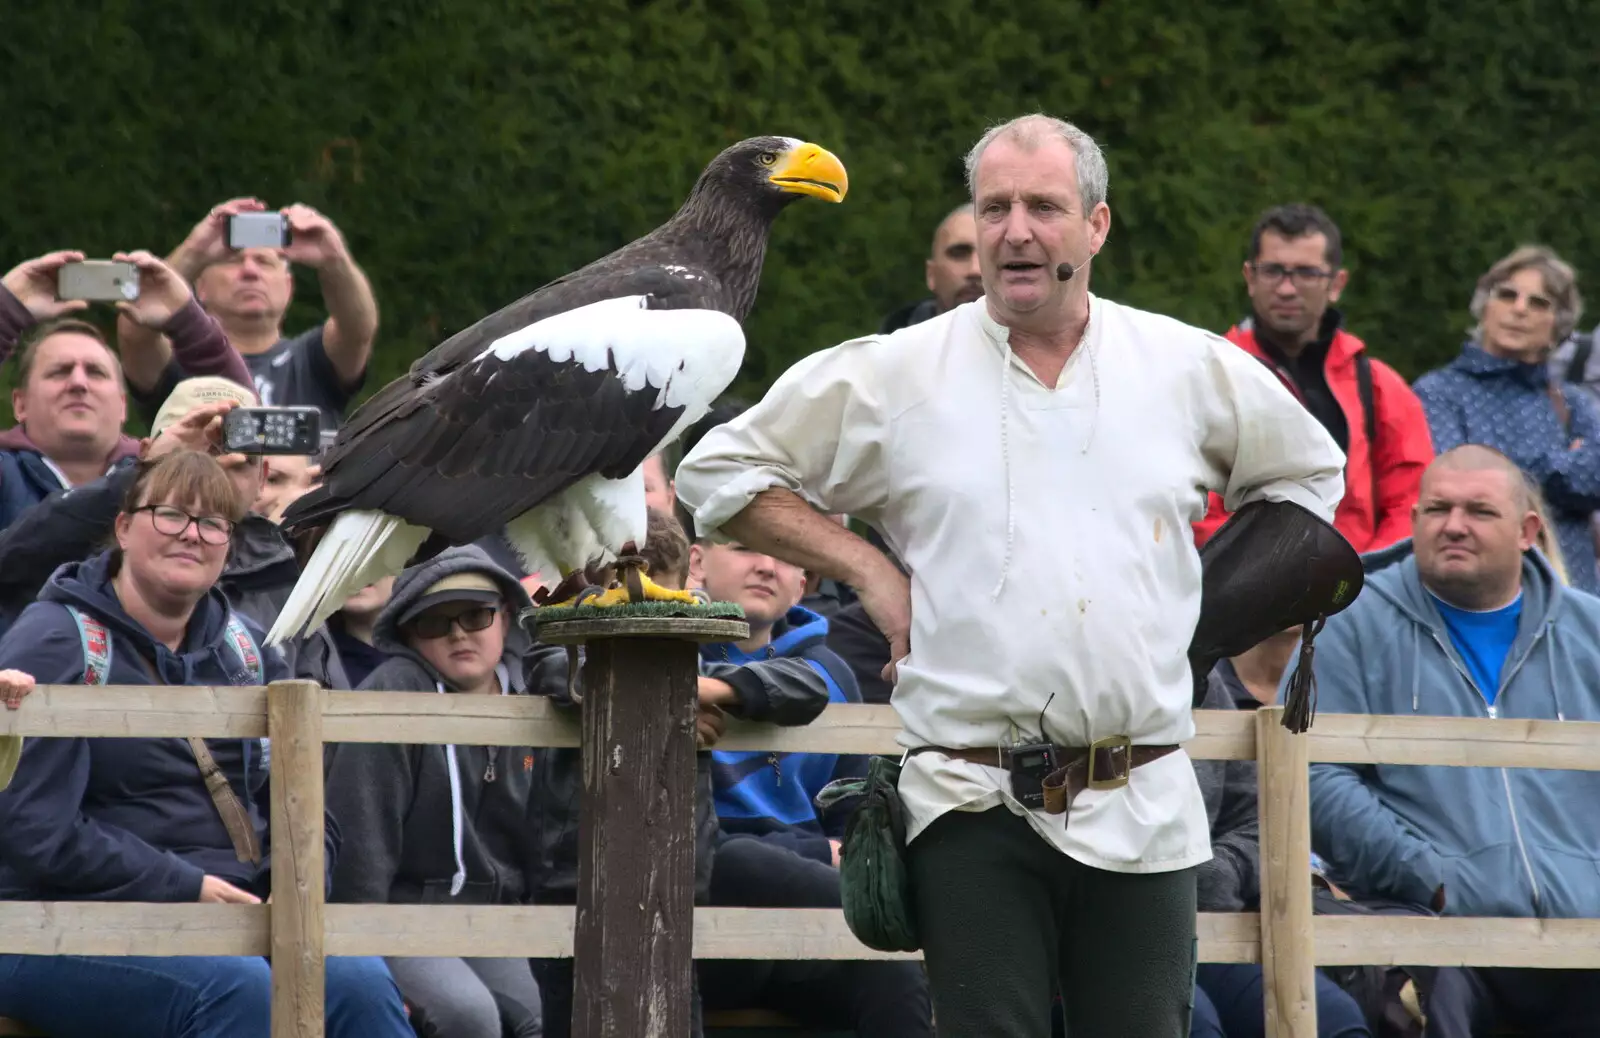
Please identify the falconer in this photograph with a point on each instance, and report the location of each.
(1036, 458)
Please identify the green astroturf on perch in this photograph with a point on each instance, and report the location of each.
(711, 611)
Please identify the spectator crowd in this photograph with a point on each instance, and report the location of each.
(1472, 494)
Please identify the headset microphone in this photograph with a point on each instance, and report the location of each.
(1065, 271)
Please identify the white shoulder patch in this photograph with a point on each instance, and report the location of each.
(687, 356)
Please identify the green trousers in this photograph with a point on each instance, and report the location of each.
(1006, 920)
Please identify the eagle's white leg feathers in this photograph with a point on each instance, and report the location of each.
(583, 524)
(360, 548)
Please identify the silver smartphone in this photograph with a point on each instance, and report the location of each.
(98, 281)
(258, 231)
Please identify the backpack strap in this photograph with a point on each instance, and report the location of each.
(250, 656)
(96, 642)
(245, 646)
(1369, 412)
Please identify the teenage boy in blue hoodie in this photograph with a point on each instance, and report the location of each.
(770, 794)
(1466, 619)
(773, 850)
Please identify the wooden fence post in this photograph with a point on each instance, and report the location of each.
(1288, 943)
(294, 723)
(633, 943)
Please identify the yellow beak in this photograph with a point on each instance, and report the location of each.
(811, 170)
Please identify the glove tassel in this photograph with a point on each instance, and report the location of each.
(1300, 701)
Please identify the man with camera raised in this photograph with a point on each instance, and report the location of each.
(238, 258)
(261, 568)
(69, 398)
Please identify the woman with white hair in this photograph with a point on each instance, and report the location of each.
(1498, 392)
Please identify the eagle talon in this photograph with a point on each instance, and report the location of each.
(649, 591)
(587, 596)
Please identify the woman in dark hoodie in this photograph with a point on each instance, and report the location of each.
(132, 819)
(446, 824)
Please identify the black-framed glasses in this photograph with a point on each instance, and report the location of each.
(1303, 277)
(435, 625)
(1509, 295)
(213, 529)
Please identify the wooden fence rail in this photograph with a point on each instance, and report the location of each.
(298, 930)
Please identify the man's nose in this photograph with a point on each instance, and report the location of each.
(1286, 286)
(1017, 229)
(78, 378)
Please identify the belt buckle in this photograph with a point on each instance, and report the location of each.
(1112, 744)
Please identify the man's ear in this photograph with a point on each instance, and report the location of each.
(1336, 286)
(697, 565)
(1530, 530)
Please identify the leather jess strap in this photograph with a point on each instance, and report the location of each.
(1110, 767)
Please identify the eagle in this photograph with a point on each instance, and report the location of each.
(535, 421)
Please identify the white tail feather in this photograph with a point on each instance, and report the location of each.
(360, 548)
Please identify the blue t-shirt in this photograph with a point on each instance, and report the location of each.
(1483, 640)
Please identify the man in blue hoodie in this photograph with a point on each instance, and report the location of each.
(1466, 619)
(774, 851)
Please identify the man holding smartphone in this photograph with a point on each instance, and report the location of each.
(69, 400)
(249, 290)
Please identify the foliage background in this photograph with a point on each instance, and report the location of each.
(470, 151)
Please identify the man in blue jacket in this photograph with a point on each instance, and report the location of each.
(774, 851)
(1466, 619)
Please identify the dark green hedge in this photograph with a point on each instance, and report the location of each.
(470, 151)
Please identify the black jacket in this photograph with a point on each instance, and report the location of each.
(73, 524)
(1231, 880)
(911, 313)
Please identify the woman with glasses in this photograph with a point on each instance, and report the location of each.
(1498, 392)
(446, 824)
(133, 819)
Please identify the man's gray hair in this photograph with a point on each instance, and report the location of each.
(1032, 130)
(1560, 283)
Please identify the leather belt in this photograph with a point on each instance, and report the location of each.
(1103, 765)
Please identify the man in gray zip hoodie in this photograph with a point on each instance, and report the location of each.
(1467, 619)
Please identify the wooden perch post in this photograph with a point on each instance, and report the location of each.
(1288, 946)
(294, 723)
(634, 936)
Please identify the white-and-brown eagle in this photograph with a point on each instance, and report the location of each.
(535, 420)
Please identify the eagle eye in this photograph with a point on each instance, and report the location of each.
(767, 158)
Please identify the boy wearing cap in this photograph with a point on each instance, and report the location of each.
(446, 824)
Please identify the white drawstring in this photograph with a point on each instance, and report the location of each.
(1005, 461)
(460, 878)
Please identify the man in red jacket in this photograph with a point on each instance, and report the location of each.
(1294, 276)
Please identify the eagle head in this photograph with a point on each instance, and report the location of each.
(778, 170)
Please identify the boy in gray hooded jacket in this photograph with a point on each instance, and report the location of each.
(447, 824)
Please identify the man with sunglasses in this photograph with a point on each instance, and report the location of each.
(1294, 277)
